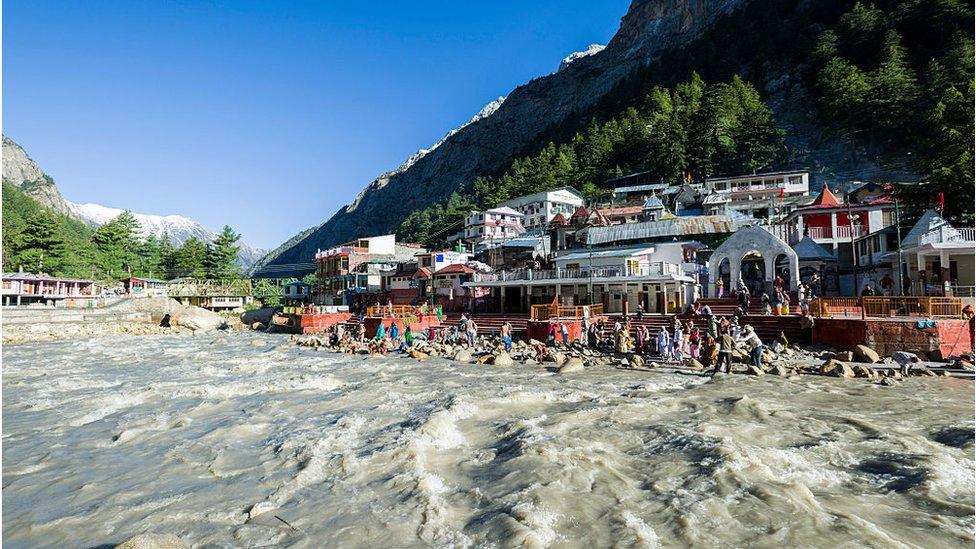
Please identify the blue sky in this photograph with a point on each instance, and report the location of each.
(267, 116)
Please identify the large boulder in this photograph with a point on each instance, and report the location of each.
(502, 359)
(836, 368)
(636, 361)
(574, 364)
(153, 541)
(262, 315)
(863, 353)
(861, 370)
(556, 357)
(419, 355)
(754, 370)
(844, 356)
(695, 364)
(198, 319)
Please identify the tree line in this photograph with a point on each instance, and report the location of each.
(38, 240)
(687, 132)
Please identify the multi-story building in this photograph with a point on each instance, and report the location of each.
(355, 267)
(791, 183)
(539, 208)
(435, 261)
(494, 225)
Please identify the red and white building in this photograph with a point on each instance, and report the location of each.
(25, 288)
(494, 225)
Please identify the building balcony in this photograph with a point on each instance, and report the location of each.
(948, 235)
(655, 270)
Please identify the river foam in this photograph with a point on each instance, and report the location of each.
(228, 443)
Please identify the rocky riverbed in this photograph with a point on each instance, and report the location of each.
(246, 439)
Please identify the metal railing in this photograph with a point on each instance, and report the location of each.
(576, 312)
(886, 307)
(948, 234)
(657, 268)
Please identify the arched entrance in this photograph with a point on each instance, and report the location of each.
(753, 271)
(782, 269)
(725, 273)
(747, 251)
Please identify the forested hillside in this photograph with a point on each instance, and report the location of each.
(890, 84)
(39, 240)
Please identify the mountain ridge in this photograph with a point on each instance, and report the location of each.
(24, 173)
(486, 145)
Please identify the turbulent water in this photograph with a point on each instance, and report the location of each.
(104, 439)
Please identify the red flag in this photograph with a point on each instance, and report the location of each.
(941, 202)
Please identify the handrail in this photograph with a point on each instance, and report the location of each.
(576, 312)
(887, 307)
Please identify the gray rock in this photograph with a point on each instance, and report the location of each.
(836, 368)
(866, 354)
(754, 371)
(693, 363)
(574, 364)
(199, 319)
(780, 370)
(463, 355)
(262, 315)
(502, 359)
(844, 356)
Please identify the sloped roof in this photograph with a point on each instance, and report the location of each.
(620, 210)
(825, 199)
(808, 249)
(678, 226)
(505, 210)
(559, 219)
(608, 252)
(456, 268)
(653, 203)
(930, 221)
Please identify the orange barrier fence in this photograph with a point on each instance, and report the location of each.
(887, 307)
(545, 312)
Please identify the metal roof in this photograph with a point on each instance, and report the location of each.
(640, 188)
(679, 226)
(653, 202)
(609, 252)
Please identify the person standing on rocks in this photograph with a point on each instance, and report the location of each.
(725, 347)
(472, 332)
(708, 350)
(755, 345)
(664, 343)
(677, 344)
(564, 333)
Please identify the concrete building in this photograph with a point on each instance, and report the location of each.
(357, 267)
(297, 292)
(539, 208)
(939, 258)
(612, 276)
(791, 183)
(136, 286)
(835, 225)
(435, 261)
(493, 225)
(26, 288)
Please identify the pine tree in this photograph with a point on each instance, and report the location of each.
(41, 248)
(117, 246)
(189, 258)
(221, 256)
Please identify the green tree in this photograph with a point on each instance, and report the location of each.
(948, 157)
(117, 246)
(189, 258)
(221, 257)
(41, 247)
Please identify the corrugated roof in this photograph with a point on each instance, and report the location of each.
(653, 203)
(42, 277)
(679, 226)
(611, 252)
(455, 268)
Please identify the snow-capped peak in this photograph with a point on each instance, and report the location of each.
(590, 50)
(179, 228)
(485, 112)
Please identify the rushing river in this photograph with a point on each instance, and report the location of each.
(104, 439)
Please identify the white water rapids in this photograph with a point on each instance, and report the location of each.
(107, 438)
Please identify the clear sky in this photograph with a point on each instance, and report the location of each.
(267, 116)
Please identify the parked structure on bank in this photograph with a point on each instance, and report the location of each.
(28, 288)
(145, 287)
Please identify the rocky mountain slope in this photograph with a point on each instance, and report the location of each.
(21, 171)
(488, 144)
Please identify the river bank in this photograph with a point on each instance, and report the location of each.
(247, 439)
